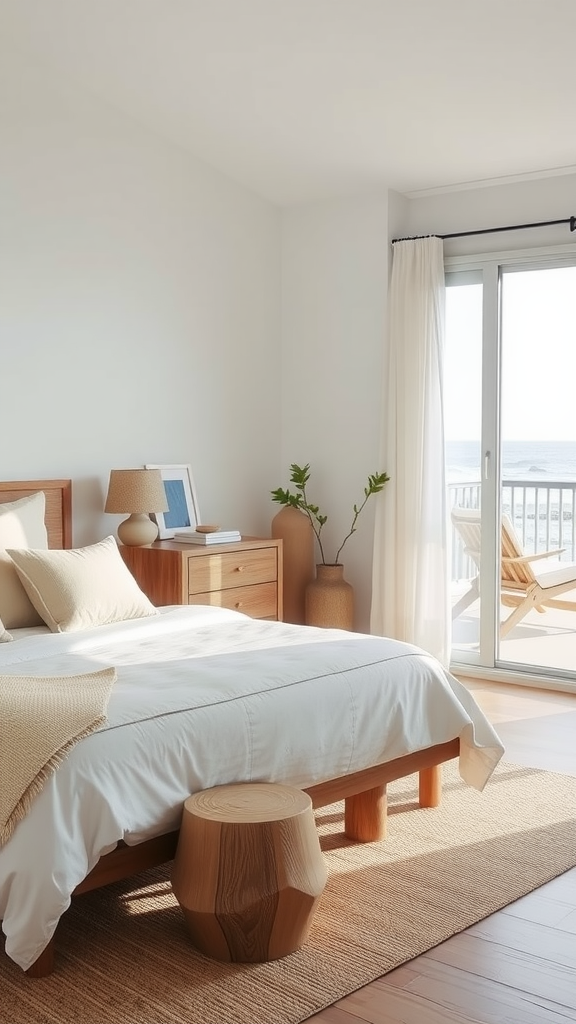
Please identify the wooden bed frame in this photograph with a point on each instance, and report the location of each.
(363, 792)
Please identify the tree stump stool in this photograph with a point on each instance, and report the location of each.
(248, 871)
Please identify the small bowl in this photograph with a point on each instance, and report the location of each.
(207, 529)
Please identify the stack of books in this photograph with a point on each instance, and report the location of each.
(218, 537)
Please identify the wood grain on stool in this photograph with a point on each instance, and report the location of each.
(248, 871)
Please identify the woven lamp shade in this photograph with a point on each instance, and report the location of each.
(138, 491)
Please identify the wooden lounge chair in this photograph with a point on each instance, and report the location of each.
(466, 522)
(522, 587)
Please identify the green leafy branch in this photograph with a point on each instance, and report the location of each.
(299, 477)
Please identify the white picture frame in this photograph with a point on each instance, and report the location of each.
(181, 497)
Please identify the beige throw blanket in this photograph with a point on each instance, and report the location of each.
(41, 718)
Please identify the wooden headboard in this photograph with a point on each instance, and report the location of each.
(58, 516)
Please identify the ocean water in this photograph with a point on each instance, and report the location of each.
(531, 461)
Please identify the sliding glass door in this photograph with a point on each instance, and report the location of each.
(538, 443)
(510, 417)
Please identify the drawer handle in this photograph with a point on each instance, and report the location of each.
(238, 604)
(239, 568)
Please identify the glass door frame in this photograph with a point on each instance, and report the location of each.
(489, 268)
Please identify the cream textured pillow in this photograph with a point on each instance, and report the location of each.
(21, 526)
(4, 634)
(81, 587)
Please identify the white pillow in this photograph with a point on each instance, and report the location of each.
(81, 587)
(21, 526)
(4, 634)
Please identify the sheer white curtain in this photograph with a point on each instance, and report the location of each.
(410, 593)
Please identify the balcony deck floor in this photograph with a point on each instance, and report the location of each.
(544, 640)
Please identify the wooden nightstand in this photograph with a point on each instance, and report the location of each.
(246, 576)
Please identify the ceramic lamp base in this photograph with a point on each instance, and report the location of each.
(138, 530)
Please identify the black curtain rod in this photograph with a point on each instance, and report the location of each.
(490, 231)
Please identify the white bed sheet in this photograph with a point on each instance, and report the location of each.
(206, 696)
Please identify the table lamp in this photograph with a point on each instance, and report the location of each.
(139, 492)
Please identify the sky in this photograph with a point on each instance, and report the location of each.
(538, 357)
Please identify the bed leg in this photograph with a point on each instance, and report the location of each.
(365, 816)
(44, 965)
(430, 786)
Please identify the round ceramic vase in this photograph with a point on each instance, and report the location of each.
(330, 599)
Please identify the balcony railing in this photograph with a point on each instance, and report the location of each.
(544, 517)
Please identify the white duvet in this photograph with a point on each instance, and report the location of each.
(204, 697)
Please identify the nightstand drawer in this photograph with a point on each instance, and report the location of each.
(227, 570)
(246, 576)
(260, 601)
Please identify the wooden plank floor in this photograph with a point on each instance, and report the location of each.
(519, 965)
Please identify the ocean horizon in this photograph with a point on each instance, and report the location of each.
(531, 461)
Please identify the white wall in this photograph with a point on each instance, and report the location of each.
(398, 215)
(334, 282)
(139, 309)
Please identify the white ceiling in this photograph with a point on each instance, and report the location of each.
(305, 99)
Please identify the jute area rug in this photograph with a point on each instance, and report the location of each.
(124, 957)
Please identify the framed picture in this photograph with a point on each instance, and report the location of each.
(181, 498)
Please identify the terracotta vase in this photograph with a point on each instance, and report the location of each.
(295, 530)
(330, 599)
